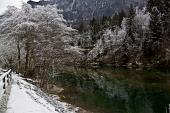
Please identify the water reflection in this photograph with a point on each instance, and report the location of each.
(108, 90)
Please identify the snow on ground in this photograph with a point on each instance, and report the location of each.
(26, 98)
(75, 49)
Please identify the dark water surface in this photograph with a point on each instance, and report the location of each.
(110, 90)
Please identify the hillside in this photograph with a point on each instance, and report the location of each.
(78, 10)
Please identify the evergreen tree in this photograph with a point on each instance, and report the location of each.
(153, 43)
(165, 21)
(115, 19)
(130, 25)
(151, 4)
(128, 43)
(130, 31)
(95, 29)
(94, 26)
(156, 38)
(81, 27)
(158, 28)
(122, 14)
(105, 22)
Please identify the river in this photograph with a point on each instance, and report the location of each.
(114, 90)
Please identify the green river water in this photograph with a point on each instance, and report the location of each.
(115, 90)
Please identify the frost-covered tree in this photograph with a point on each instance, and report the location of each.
(137, 26)
(156, 36)
(9, 34)
(158, 40)
(141, 23)
(109, 43)
(130, 25)
(129, 42)
(38, 35)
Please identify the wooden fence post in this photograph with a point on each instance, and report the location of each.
(4, 86)
(168, 108)
(6, 81)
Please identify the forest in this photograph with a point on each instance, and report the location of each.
(97, 63)
(39, 38)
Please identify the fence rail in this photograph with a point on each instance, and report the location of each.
(5, 80)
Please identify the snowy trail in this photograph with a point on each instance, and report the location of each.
(4, 96)
(4, 100)
(26, 98)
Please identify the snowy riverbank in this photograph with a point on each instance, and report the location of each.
(27, 98)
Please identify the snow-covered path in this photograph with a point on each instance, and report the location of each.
(4, 100)
(26, 98)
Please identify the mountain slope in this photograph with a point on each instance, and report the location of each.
(87, 9)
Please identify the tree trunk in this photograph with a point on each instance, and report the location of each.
(19, 56)
(27, 48)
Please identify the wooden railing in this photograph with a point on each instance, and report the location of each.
(5, 80)
(168, 109)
